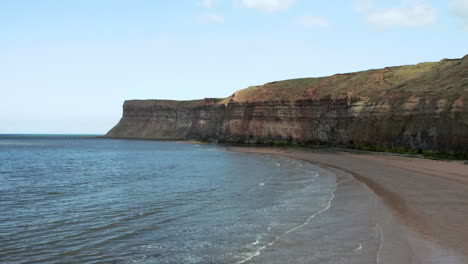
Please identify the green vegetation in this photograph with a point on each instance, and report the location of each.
(290, 143)
(445, 155)
(433, 154)
(189, 102)
(411, 71)
(285, 143)
(442, 79)
(385, 148)
(288, 90)
(426, 153)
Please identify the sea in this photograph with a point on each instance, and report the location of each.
(85, 199)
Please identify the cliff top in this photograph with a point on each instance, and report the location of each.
(446, 79)
(172, 103)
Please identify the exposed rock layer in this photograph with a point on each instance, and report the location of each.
(413, 107)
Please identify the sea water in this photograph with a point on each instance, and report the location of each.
(82, 199)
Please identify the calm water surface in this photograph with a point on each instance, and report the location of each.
(72, 199)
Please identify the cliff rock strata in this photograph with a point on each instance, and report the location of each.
(418, 107)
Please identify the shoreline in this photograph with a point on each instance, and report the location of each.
(427, 197)
(298, 148)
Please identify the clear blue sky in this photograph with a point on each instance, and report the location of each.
(67, 66)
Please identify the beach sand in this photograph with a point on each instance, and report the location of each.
(386, 209)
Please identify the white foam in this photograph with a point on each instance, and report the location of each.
(380, 230)
(316, 174)
(255, 242)
(359, 248)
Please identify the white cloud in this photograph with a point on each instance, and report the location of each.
(268, 6)
(308, 21)
(460, 9)
(411, 14)
(206, 3)
(363, 5)
(210, 18)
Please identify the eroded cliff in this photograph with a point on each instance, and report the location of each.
(418, 107)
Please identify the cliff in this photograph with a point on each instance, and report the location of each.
(415, 107)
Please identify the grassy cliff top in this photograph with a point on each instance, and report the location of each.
(447, 78)
(172, 103)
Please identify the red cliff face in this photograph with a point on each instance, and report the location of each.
(390, 111)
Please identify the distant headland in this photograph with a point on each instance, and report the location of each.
(419, 108)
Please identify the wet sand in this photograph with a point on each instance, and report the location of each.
(388, 209)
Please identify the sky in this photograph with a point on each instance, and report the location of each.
(67, 66)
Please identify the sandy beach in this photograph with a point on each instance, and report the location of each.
(419, 214)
